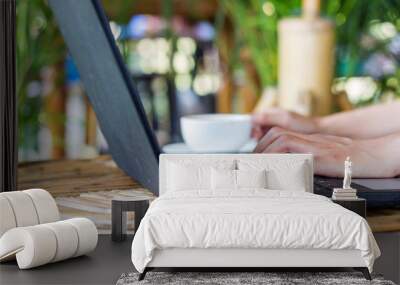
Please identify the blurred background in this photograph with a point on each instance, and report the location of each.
(188, 56)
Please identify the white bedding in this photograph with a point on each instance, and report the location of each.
(250, 219)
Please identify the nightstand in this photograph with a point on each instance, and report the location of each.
(357, 205)
(119, 207)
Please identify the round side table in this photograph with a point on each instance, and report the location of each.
(119, 207)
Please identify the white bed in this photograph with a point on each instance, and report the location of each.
(281, 225)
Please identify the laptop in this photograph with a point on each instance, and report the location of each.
(379, 193)
(120, 112)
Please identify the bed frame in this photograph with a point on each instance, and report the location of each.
(242, 259)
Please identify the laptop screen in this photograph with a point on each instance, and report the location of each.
(110, 89)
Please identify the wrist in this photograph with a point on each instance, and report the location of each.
(317, 124)
(325, 125)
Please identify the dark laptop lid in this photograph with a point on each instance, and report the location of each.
(110, 89)
(379, 193)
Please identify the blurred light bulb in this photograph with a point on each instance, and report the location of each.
(186, 45)
(182, 63)
(360, 88)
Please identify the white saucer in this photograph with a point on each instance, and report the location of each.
(176, 148)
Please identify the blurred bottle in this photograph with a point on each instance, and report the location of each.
(306, 62)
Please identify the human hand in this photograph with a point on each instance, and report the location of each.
(276, 117)
(372, 158)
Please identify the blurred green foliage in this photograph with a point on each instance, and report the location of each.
(255, 27)
(39, 44)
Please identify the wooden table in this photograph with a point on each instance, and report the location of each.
(384, 220)
(72, 177)
(84, 188)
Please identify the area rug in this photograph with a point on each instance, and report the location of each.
(268, 278)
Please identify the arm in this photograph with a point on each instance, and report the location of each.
(378, 157)
(369, 122)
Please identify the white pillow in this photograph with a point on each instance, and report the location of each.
(251, 178)
(282, 174)
(184, 175)
(225, 179)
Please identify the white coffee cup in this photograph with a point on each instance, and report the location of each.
(216, 132)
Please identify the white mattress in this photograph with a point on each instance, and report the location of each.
(257, 219)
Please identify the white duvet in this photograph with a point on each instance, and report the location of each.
(250, 219)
